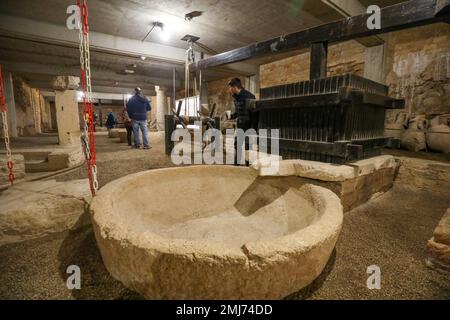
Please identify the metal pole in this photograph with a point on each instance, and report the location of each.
(174, 90)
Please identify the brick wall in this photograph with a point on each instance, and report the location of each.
(346, 57)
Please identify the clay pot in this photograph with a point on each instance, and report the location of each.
(438, 138)
(418, 123)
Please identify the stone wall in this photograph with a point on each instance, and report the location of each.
(25, 115)
(46, 118)
(420, 69)
(33, 114)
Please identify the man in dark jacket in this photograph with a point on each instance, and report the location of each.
(244, 116)
(110, 121)
(241, 113)
(137, 108)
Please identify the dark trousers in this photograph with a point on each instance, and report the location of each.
(129, 132)
(244, 125)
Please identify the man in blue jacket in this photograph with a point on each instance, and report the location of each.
(137, 108)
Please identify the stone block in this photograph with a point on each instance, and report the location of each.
(442, 232)
(113, 133)
(66, 82)
(35, 209)
(355, 183)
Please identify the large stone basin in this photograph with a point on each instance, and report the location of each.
(215, 232)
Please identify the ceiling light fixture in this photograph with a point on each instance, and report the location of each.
(191, 15)
(163, 34)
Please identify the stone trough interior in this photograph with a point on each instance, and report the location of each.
(204, 207)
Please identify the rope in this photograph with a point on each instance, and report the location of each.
(88, 108)
(9, 161)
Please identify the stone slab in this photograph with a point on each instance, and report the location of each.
(34, 209)
(354, 183)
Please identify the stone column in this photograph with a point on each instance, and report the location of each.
(10, 103)
(161, 107)
(35, 105)
(67, 115)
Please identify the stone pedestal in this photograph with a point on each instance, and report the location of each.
(67, 117)
(113, 133)
(67, 114)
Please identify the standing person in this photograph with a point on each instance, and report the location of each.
(241, 113)
(137, 108)
(245, 117)
(128, 125)
(95, 121)
(110, 121)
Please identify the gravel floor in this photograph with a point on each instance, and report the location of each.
(390, 232)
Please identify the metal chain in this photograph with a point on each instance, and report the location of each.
(88, 115)
(9, 160)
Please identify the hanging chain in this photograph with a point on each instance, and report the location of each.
(190, 58)
(88, 113)
(9, 161)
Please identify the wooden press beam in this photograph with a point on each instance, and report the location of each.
(397, 17)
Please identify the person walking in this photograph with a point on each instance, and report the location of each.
(137, 108)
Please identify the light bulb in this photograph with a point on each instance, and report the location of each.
(165, 36)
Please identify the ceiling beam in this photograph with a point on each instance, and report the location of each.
(350, 8)
(58, 34)
(95, 95)
(397, 17)
(26, 29)
(54, 70)
(47, 86)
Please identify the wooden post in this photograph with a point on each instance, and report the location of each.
(319, 55)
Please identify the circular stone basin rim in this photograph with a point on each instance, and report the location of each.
(328, 222)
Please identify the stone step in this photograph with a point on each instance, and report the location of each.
(36, 165)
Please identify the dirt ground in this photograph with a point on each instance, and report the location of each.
(390, 231)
